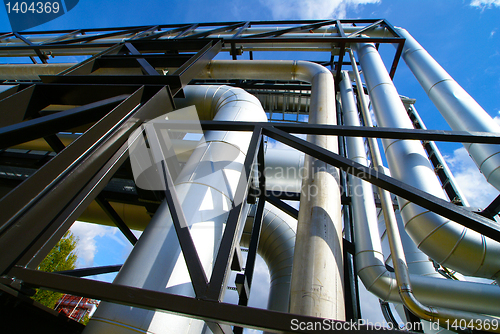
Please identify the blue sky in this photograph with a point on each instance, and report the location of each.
(462, 35)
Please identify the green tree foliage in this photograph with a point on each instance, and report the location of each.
(61, 257)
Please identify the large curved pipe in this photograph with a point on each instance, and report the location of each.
(318, 255)
(447, 242)
(156, 262)
(276, 244)
(458, 108)
(458, 295)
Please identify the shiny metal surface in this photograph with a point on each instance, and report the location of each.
(446, 242)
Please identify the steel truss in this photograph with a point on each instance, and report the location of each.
(37, 208)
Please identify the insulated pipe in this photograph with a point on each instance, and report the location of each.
(317, 280)
(466, 296)
(276, 244)
(156, 262)
(447, 242)
(458, 108)
(418, 262)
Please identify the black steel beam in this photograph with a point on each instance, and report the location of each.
(198, 62)
(116, 219)
(257, 224)
(240, 31)
(229, 240)
(338, 24)
(207, 310)
(83, 272)
(145, 65)
(165, 32)
(63, 37)
(282, 206)
(47, 240)
(492, 209)
(54, 142)
(144, 33)
(216, 31)
(193, 263)
(43, 57)
(399, 51)
(339, 65)
(86, 66)
(156, 60)
(187, 30)
(33, 205)
(369, 27)
(82, 40)
(276, 33)
(161, 80)
(353, 131)
(455, 213)
(46, 125)
(13, 108)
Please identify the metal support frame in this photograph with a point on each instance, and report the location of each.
(79, 172)
(351, 289)
(228, 244)
(43, 57)
(229, 314)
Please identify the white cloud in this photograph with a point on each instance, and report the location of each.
(274, 144)
(473, 184)
(497, 118)
(485, 3)
(87, 247)
(313, 9)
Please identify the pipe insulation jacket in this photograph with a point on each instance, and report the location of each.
(317, 280)
(205, 188)
(370, 262)
(459, 109)
(276, 245)
(447, 242)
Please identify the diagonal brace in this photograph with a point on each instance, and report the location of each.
(410, 193)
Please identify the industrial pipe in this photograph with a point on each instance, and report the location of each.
(465, 296)
(276, 245)
(447, 242)
(459, 109)
(317, 280)
(206, 195)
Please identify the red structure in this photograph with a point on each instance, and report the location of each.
(75, 307)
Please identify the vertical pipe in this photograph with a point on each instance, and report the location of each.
(365, 211)
(317, 279)
(458, 108)
(447, 242)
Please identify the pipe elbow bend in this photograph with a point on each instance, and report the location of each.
(380, 282)
(306, 70)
